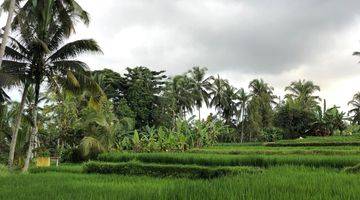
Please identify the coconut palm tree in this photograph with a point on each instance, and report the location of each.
(223, 97)
(258, 87)
(39, 17)
(47, 62)
(68, 11)
(229, 103)
(355, 111)
(179, 90)
(217, 89)
(201, 85)
(243, 99)
(261, 112)
(303, 91)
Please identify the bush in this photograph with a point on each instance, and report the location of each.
(3, 158)
(352, 130)
(72, 155)
(159, 170)
(272, 134)
(3, 170)
(355, 169)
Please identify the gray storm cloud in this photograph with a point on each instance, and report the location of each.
(282, 40)
(247, 36)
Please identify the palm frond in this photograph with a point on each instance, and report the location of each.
(74, 49)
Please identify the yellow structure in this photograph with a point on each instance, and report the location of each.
(43, 162)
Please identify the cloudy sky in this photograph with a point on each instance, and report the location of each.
(277, 40)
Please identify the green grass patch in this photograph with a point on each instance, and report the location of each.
(161, 170)
(68, 168)
(233, 160)
(353, 140)
(235, 150)
(275, 183)
(3, 170)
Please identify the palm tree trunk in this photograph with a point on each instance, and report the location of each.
(199, 113)
(33, 133)
(34, 129)
(7, 30)
(242, 124)
(16, 127)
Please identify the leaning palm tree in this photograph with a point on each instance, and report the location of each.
(201, 85)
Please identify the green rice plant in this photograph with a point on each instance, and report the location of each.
(234, 160)
(161, 170)
(355, 169)
(275, 183)
(68, 168)
(281, 151)
(353, 140)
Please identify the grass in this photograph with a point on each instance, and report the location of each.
(234, 160)
(266, 150)
(161, 170)
(287, 172)
(353, 140)
(275, 183)
(69, 168)
(3, 170)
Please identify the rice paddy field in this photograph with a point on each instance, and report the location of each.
(225, 171)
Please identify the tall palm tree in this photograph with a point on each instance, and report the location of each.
(223, 97)
(303, 91)
(217, 89)
(39, 15)
(229, 104)
(201, 85)
(48, 62)
(243, 99)
(68, 12)
(179, 90)
(261, 103)
(355, 111)
(258, 87)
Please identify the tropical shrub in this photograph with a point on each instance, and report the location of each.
(352, 129)
(181, 137)
(272, 134)
(71, 155)
(293, 119)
